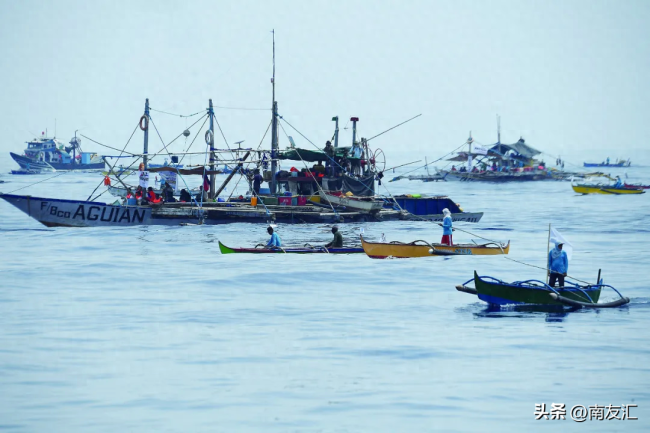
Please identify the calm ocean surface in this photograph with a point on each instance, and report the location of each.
(152, 329)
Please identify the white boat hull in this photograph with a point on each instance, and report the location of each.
(352, 203)
(75, 213)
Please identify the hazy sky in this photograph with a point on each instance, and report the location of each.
(570, 76)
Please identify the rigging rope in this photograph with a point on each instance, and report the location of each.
(429, 163)
(179, 115)
(41, 181)
(546, 269)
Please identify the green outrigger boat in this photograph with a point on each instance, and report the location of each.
(535, 292)
(307, 249)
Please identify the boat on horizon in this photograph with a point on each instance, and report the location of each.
(618, 163)
(59, 156)
(28, 166)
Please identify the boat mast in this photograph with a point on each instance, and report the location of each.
(74, 148)
(211, 143)
(274, 129)
(469, 155)
(498, 130)
(548, 247)
(354, 129)
(336, 131)
(426, 164)
(146, 134)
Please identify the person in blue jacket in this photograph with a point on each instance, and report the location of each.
(446, 228)
(619, 183)
(558, 265)
(274, 242)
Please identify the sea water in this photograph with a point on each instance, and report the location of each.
(152, 329)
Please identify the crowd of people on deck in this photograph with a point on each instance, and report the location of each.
(148, 196)
(505, 166)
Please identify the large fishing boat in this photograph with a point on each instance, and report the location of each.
(342, 191)
(500, 162)
(59, 156)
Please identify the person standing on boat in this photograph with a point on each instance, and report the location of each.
(337, 242)
(356, 154)
(257, 182)
(619, 183)
(329, 152)
(558, 265)
(275, 241)
(446, 228)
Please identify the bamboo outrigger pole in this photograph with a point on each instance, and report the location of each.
(548, 246)
(400, 124)
(117, 176)
(230, 176)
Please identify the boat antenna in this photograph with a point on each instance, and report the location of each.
(498, 129)
(274, 128)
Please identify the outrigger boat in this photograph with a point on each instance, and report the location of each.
(284, 201)
(419, 248)
(307, 249)
(535, 292)
(618, 163)
(605, 189)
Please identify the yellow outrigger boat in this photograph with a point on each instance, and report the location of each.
(605, 189)
(377, 250)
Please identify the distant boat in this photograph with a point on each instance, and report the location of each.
(28, 166)
(618, 163)
(59, 156)
(606, 189)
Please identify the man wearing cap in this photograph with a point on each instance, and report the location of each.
(558, 265)
(337, 242)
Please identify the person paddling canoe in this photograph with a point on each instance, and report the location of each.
(446, 228)
(274, 242)
(337, 242)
